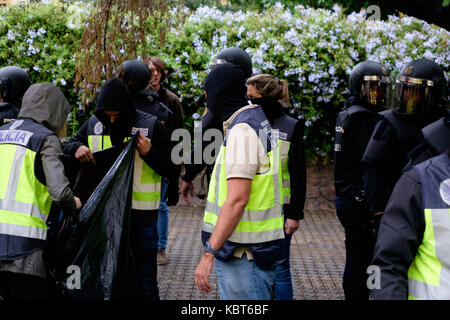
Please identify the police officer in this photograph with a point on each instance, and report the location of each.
(414, 235)
(369, 84)
(13, 84)
(243, 222)
(137, 76)
(417, 102)
(114, 121)
(268, 92)
(214, 118)
(236, 56)
(32, 178)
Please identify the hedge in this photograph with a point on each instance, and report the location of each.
(313, 49)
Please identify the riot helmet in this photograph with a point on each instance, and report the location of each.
(236, 56)
(420, 88)
(13, 83)
(369, 82)
(136, 75)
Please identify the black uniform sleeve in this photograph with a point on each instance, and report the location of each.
(297, 173)
(192, 169)
(400, 234)
(8, 112)
(80, 138)
(174, 104)
(159, 156)
(379, 163)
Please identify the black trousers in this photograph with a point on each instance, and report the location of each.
(359, 246)
(15, 286)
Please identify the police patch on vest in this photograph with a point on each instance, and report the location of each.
(98, 128)
(143, 130)
(444, 190)
(15, 137)
(279, 135)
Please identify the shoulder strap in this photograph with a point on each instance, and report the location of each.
(437, 134)
(358, 109)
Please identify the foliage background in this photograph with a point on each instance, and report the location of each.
(313, 49)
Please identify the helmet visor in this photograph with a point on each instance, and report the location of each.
(4, 84)
(216, 62)
(413, 96)
(375, 90)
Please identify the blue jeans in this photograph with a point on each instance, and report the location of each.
(242, 279)
(163, 216)
(143, 241)
(282, 285)
(358, 248)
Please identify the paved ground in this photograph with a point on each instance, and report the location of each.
(317, 257)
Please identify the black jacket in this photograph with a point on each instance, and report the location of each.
(8, 111)
(384, 159)
(399, 237)
(172, 102)
(114, 96)
(354, 127)
(297, 173)
(226, 90)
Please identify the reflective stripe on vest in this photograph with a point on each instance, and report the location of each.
(284, 129)
(24, 201)
(146, 182)
(285, 176)
(429, 274)
(262, 219)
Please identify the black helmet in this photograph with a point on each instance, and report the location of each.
(13, 84)
(420, 88)
(136, 75)
(369, 82)
(238, 57)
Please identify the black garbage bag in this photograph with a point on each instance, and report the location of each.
(96, 260)
(89, 176)
(83, 179)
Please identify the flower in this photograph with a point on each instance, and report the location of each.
(428, 54)
(11, 35)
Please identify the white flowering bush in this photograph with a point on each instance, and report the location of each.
(42, 38)
(313, 49)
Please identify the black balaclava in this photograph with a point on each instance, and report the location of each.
(271, 106)
(115, 96)
(226, 90)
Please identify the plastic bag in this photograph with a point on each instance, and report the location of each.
(96, 257)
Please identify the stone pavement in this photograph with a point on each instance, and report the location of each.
(317, 256)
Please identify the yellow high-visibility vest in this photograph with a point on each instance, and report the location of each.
(262, 219)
